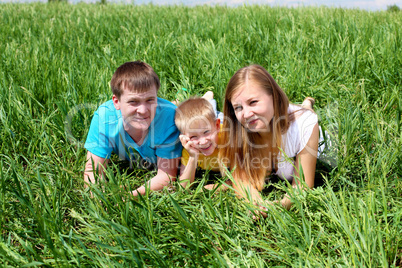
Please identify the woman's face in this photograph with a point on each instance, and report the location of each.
(253, 107)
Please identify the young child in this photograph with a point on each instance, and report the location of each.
(136, 125)
(199, 126)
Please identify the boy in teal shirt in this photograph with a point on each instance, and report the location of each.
(136, 125)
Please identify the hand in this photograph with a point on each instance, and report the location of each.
(188, 145)
(222, 187)
(209, 187)
(262, 210)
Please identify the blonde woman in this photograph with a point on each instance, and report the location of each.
(266, 134)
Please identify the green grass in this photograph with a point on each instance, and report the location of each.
(56, 64)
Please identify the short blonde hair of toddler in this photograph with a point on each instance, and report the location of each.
(192, 110)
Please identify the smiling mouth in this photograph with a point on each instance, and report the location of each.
(140, 119)
(252, 122)
(204, 149)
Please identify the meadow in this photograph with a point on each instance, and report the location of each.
(57, 60)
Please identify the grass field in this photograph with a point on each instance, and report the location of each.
(56, 64)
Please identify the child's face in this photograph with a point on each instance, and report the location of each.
(204, 135)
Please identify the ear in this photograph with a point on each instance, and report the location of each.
(218, 124)
(116, 102)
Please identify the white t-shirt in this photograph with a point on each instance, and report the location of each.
(294, 140)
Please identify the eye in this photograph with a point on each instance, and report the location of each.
(206, 131)
(193, 138)
(237, 108)
(253, 102)
(151, 100)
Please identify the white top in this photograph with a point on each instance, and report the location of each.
(294, 140)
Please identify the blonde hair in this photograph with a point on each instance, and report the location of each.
(191, 110)
(245, 147)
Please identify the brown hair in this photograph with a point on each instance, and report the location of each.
(246, 147)
(193, 109)
(135, 76)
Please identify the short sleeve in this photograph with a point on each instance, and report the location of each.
(170, 147)
(98, 142)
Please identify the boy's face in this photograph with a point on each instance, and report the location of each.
(204, 135)
(137, 108)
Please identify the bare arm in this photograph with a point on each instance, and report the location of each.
(167, 171)
(187, 172)
(244, 189)
(307, 159)
(94, 164)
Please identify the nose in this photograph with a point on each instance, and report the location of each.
(203, 140)
(247, 113)
(142, 109)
